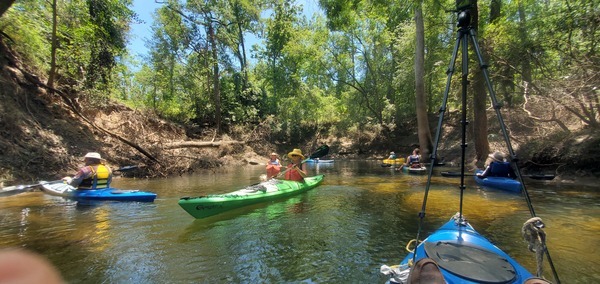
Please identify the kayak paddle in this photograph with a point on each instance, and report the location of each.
(126, 168)
(11, 190)
(14, 189)
(539, 177)
(320, 152)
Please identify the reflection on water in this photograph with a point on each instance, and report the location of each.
(361, 217)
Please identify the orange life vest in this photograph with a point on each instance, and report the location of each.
(273, 170)
(293, 174)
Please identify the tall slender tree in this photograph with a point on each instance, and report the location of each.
(423, 131)
(480, 97)
(4, 5)
(53, 46)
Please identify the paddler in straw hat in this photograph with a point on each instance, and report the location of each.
(296, 170)
(497, 166)
(94, 175)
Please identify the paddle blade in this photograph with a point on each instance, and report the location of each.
(451, 174)
(18, 187)
(15, 189)
(538, 177)
(542, 177)
(126, 168)
(320, 152)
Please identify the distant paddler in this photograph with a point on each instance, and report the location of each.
(273, 166)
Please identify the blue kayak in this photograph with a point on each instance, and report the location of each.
(465, 256)
(502, 183)
(112, 194)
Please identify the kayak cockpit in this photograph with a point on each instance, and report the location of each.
(471, 262)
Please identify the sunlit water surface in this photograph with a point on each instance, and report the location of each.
(361, 217)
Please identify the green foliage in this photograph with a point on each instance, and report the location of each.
(348, 69)
(108, 24)
(26, 23)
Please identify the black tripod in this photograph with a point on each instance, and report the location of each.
(465, 32)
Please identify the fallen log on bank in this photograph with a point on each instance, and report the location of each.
(195, 144)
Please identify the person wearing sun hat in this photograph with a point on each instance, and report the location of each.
(296, 170)
(392, 156)
(93, 175)
(497, 166)
(273, 166)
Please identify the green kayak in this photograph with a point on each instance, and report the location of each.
(205, 206)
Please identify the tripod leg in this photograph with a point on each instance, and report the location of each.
(497, 107)
(464, 122)
(513, 156)
(442, 111)
(438, 132)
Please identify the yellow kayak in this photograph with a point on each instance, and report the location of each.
(397, 161)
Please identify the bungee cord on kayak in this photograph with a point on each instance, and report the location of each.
(533, 233)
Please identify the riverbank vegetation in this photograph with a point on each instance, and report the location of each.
(227, 82)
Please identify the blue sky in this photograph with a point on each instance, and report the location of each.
(141, 32)
(145, 8)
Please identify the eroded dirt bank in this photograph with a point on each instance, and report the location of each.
(44, 134)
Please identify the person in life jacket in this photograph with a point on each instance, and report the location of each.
(94, 175)
(414, 160)
(497, 166)
(296, 170)
(273, 166)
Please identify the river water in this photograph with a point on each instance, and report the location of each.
(360, 218)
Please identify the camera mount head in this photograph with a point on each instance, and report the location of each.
(464, 16)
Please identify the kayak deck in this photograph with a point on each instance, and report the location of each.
(205, 206)
(465, 256)
(106, 194)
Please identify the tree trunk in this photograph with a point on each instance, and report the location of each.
(495, 9)
(243, 59)
(53, 47)
(216, 87)
(505, 81)
(425, 141)
(197, 144)
(4, 5)
(525, 62)
(480, 124)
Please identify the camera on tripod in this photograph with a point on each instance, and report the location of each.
(464, 17)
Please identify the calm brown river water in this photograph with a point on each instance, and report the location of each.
(361, 217)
